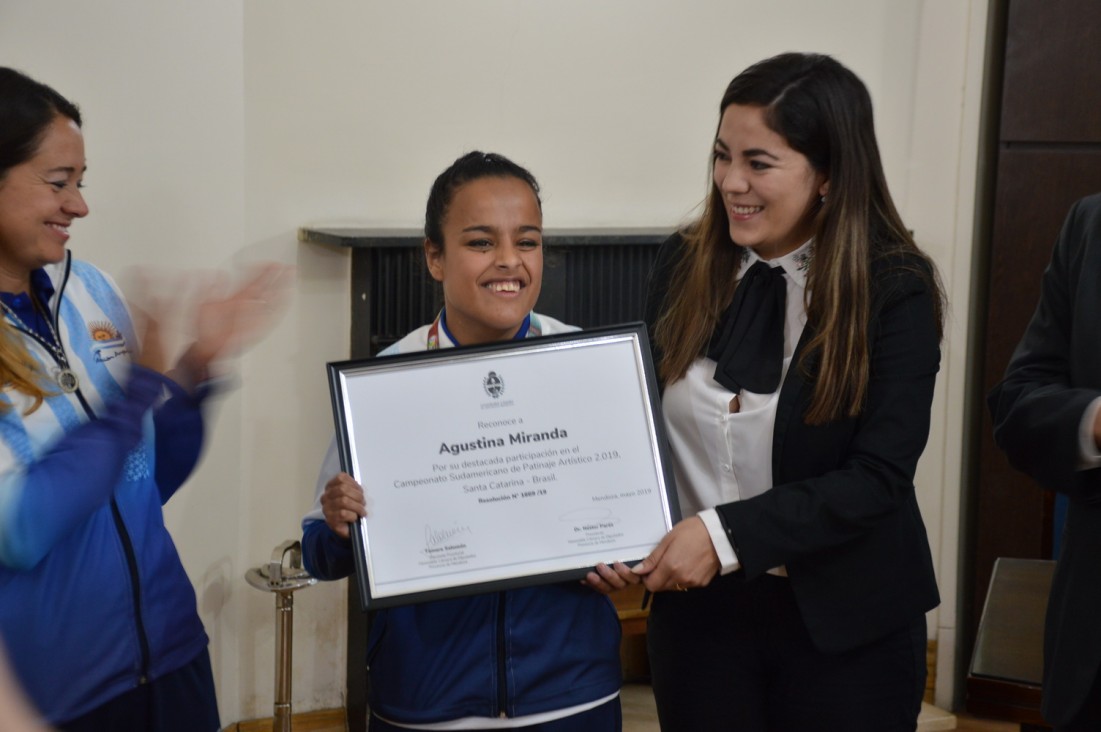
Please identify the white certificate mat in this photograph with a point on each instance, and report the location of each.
(503, 465)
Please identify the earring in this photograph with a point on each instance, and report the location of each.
(821, 199)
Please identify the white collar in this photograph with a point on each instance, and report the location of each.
(796, 263)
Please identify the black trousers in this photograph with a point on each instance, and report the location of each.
(736, 656)
(182, 701)
(1088, 718)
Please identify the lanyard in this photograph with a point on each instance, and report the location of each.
(528, 329)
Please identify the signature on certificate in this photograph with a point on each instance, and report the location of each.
(435, 537)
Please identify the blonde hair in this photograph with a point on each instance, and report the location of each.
(18, 369)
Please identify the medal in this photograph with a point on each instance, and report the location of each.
(65, 377)
(67, 380)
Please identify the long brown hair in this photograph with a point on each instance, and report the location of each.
(824, 112)
(27, 109)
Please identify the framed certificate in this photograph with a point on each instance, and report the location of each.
(503, 465)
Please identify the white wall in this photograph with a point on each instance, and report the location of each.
(940, 204)
(216, 128)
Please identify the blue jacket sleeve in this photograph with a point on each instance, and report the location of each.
(325, 554)
(179, 433)
(44, 501)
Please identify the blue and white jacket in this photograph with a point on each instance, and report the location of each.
(93, 598)
(513, 653)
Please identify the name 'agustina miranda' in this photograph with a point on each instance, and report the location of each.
(516, 438)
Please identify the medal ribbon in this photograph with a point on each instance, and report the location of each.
(529, 328)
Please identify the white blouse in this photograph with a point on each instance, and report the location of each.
(721, 456)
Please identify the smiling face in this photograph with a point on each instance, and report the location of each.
(769, 190)
(491, 259)
(39, 199)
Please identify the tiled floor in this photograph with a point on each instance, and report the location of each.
(973, 724)
(638, 709)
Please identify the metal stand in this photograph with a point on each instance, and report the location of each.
(283, 575)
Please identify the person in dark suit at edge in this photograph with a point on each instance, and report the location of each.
(797, 329)
(1047, 419)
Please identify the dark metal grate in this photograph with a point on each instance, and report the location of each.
(403, 295)
(605, 285)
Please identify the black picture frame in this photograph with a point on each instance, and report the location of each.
(347, 380)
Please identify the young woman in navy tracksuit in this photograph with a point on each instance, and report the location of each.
(539, 658)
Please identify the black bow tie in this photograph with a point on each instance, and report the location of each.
(748, 342)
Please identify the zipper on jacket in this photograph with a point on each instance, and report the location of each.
(135, 586)
(120, 526)
(502, 661)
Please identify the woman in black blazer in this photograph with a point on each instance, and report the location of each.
(796, 328)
